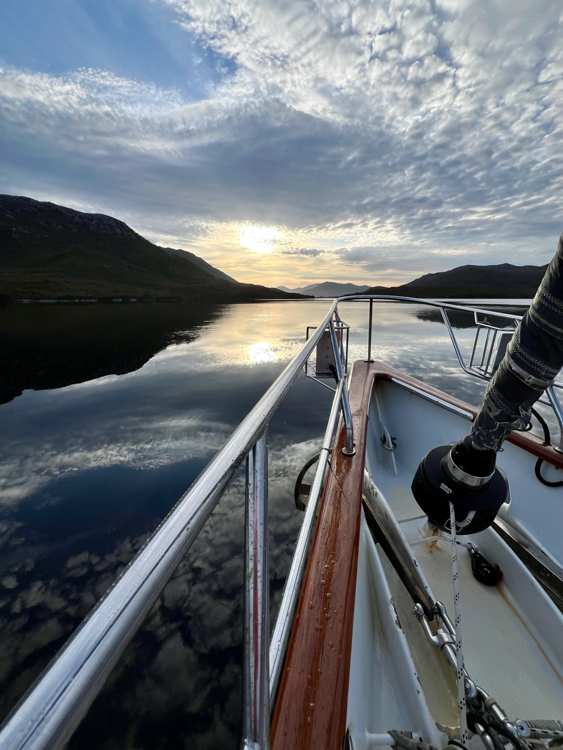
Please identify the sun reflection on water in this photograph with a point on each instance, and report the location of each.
(259, 354)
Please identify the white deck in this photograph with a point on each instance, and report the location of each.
(512, 633)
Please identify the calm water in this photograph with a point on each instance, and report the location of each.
(88, 469)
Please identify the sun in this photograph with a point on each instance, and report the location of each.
(259, 239)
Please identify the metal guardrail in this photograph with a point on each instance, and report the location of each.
(52, 709)
(284, 622)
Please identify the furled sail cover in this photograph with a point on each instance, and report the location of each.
(531, 363)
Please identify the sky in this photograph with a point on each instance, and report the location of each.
(295, 141)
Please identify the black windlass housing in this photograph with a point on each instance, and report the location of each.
(466, 476)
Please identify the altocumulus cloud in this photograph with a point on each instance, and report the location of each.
(398, 129)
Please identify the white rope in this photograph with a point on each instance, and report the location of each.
(460, 669)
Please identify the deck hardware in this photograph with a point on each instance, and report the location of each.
(542, 729)
(387, 532)
(349, 449)
(388, 442)
(370, 326)
(442, 637)
(348, 741)
(546, 570)
(483, 571)
(522, 727)
(485, 713)
(467, 477)
(475, 725)
(325, 356)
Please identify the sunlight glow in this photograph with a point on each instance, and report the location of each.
(261, 353)
(259, 239)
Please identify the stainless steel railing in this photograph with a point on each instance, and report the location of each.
(256, 706)
(284, 622)
(52, 709)
(484, 373)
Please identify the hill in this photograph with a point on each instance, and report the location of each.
(494, 281)
(327, 289)
(211, 270)
(54, 252)
(504, 281)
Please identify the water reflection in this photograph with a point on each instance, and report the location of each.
(50, 346)
(261, 353)
(90, 469)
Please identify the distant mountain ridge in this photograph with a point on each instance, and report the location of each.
(53, 252)
(327, 289)
(504, 281)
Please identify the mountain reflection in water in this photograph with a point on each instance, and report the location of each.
(50, 346)
(88, 470)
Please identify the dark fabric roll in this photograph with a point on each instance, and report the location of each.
(531, 363)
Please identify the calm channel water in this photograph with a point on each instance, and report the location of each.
(91, 461)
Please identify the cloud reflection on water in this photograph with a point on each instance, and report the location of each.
(89, 470)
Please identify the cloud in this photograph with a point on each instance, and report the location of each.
(308, 252)
(421, 126)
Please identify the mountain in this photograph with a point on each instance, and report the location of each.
(207, 267)
(494, 281)
(327, 289)
(49, 251)
(502, 281)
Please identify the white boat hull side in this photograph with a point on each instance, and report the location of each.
(512, 633)
(384, 689)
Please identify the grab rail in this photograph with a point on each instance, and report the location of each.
(50, 712)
